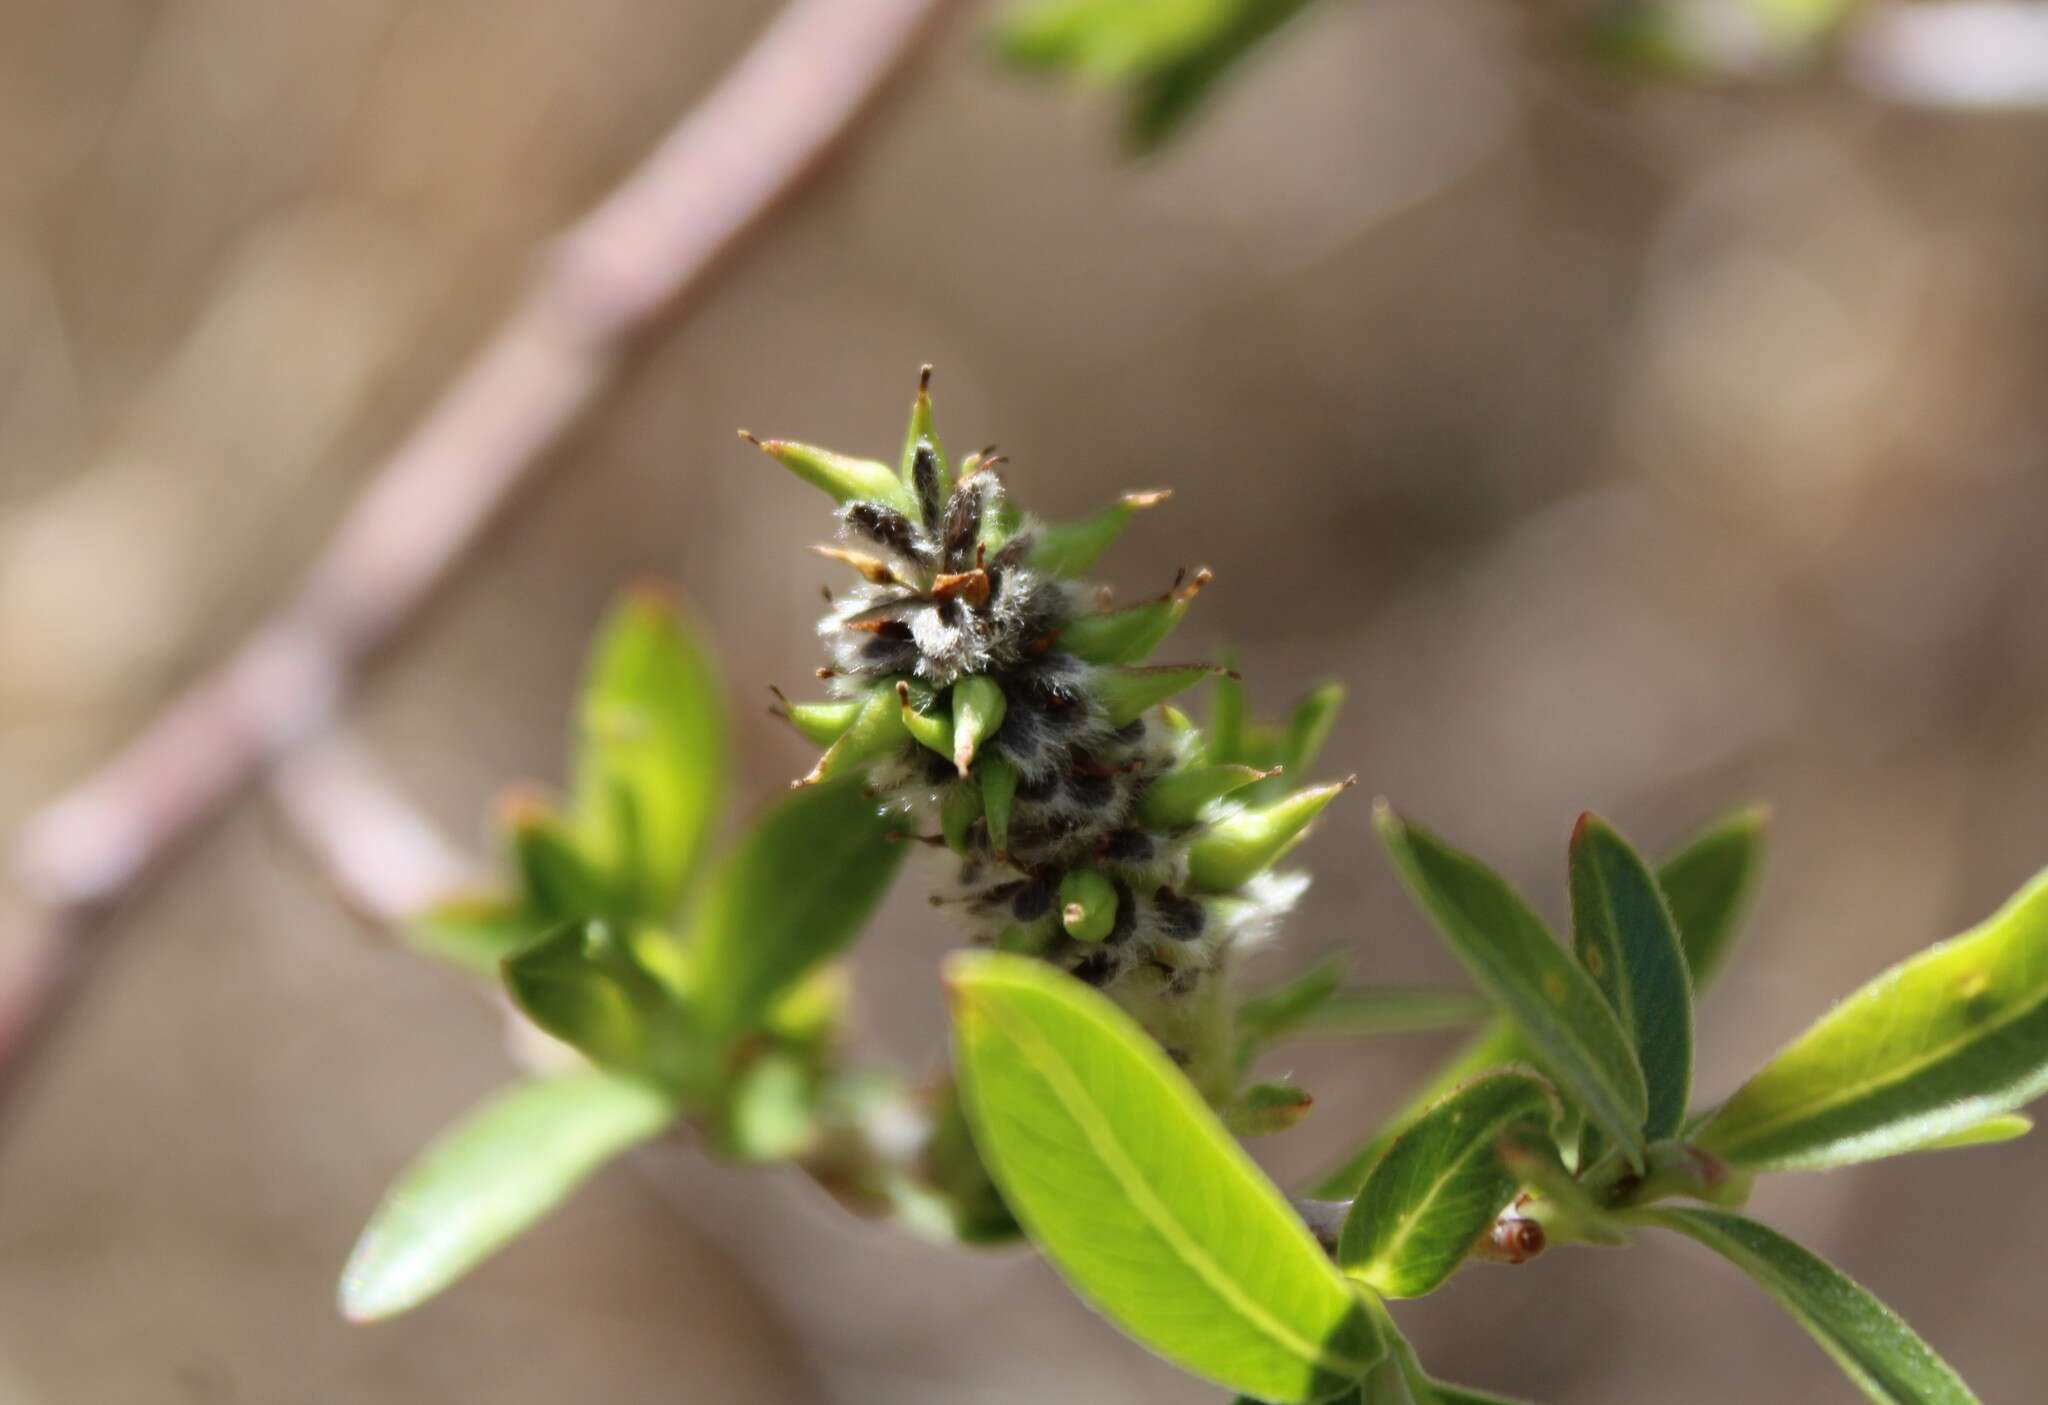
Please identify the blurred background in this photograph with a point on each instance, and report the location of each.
(1649, 447)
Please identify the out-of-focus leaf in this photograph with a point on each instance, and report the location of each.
(472, 930)
(1708, 884)
(582, 984)
(1135, 1191)
(1266, 1109)
(1626, 937)
(771, 1110)
(1439, 1187)
(1876, 1350)
(488, 1178)
(651, 756)
(1393, 1010)
(1514, 959)
(1272, 1014)
(1936, 1044)
(557, 882)
(1167, 53)
(798, 888)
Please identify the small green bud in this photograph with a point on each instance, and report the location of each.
(1266, 1108)
(1071, 548)
(929, 728)
(557, 882)
(1127, 636)
(998, 776)
(1125, 693)
(1087, 905)
(978, 710)
(846, 479)
(957, 814)
(822, 723)
(876, 728)
(1176, 798)
(922, 431)
(1231, 851)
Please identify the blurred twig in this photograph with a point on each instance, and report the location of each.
(650, 243)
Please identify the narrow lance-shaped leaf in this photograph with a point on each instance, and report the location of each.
(650, 765)
(1273, 1013)
(472, 930)
(1514, 959)
(1393, 1010)
(1627, 939)
(1138, 1195)
(1708, 883)
(1439, 1187)
(488, 1178)
(1310, 725)
(798, 888)
(1876, 1350)
(1943, 1040)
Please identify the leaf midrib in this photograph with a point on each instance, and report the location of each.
(1408, 1223)
(1820, 1108)
(1066, 1086)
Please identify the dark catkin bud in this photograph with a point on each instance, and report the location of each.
(984, 689)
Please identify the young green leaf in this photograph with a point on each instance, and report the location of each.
(1943, 1040)
(1388, 1009)
(1511, 956)
(1439, 1187)
(1708, 884)
(1271, 1014)
(1500, 1043)
(489, 1177)
(1134, 1190)
(582, 984)
(474, 931)
(1309, 727)
(556, 882)
(798, 888)
(1876, 1350)
(650, 765)
(1627, 939)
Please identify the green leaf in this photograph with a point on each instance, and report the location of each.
(1448, 1394)
(799, 887)
(651, 756)
(472, 930)
(1514, 959)
(1708, 884)
(1134, 1190)
(582, 984)
(1498, 1044)
(1271, 1014)
(1439, 1187)
(1392, 1010)
(1942, 1040)
(1992, 1130)
(1877, 1351)
(488, 1178)
(1627, 939)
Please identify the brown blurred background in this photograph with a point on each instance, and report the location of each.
(1642, 449)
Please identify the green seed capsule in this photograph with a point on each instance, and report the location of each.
(822, 723)
(1070, 548)
(1087, 905)
(846, 479)
(877, 728)
(1127, 636)
(1224, 856)
(1125, 693)
(1176, 798)
(957, 814)
(922, 431)
(978, 709)
(930, 728)
(998, 776)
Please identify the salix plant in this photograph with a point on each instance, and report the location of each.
(1111, 862)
